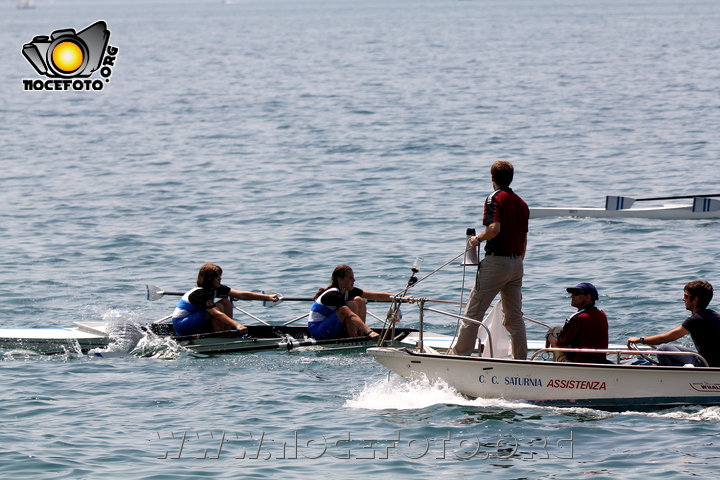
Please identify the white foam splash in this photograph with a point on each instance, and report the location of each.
(124, 329)
(401, 394)
(397, 393)
(697, 413)
(127, 336)
(154, 346)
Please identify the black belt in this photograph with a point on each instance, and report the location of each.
(509, 254)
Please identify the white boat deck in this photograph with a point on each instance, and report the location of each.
(49, 334)
(439, 341)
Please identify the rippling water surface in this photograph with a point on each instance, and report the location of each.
(279, 139)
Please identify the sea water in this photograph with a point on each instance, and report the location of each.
(279, 139)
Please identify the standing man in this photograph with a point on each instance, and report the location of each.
(703, 326)
(506, 225)
(587, 328)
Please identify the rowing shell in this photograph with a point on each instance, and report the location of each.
(269, 337)
(91, 336)
(682, 212)
(620, 207)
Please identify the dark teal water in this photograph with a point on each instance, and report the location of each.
(279, 139)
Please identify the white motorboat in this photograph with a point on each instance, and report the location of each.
(693, 207)
(613, 386)
(622, 387)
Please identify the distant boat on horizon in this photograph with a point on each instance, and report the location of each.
(26, 4)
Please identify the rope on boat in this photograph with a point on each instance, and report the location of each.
(468, 246)
(434, 271)
(397, 300)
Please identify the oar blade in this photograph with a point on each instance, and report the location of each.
(272, 294)
(153, 292)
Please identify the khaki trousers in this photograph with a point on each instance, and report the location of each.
(495, 275)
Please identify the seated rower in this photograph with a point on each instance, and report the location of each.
(703, 326)
(198, 312)
(587, 328)
(339, 310)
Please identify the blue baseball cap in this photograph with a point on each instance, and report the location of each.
(586, 288)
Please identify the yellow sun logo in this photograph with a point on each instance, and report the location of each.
(67, 56)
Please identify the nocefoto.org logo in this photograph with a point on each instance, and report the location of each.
(69, 58)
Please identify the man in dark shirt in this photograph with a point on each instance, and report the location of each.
(703, 326)
(587, 328)
(506, 225)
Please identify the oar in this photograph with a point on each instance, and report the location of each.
(167, 317)
(156, 293)
(310, 299)
(250, 315)
(675, 198)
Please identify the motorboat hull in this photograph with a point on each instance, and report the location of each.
(604, 386)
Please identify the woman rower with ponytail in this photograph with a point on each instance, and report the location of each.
(339, 310)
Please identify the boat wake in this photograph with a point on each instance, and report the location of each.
(400, 394)
(397, 393)
(691, 413)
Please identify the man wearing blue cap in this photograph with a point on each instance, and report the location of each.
(587, 328)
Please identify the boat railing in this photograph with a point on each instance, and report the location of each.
(617, 352)
(423, 308)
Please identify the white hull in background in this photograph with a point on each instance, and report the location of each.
(683, 212)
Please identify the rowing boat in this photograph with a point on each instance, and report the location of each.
(94, 337)
(701, 207)
(270, 337)
(624, 385)
(99, 337)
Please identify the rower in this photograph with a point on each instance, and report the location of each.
(339, 310)
(198, 312)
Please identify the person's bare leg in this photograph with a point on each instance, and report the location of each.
(360, 308)
(223, 321)
(354, 325)
(225, 306)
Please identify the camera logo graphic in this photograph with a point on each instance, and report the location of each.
(66, 55)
